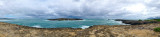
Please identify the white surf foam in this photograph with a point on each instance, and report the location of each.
(84, 27)
(120, 22)
(46, 20)
(4, 20)
(37, 26)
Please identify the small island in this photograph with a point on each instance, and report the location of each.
(6, 18)
(63, 19)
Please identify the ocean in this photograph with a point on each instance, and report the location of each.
(41, 23)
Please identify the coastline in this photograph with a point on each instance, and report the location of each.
(145, 30)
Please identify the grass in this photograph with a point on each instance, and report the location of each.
(153, 20)
(157, 19)
(157, 29)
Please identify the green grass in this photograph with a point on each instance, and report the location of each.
(153, 20)
(157, 19)
(157, 29)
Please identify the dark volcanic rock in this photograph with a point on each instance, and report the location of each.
(136, 22)
(61, 19)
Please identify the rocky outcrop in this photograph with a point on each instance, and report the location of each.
(146, 30)
(136, 22)
(61, 19)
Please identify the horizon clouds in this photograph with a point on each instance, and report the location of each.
(89, 9)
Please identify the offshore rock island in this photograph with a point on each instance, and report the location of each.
(142, 30)
(63, 19)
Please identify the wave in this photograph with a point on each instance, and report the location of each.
(4, 20)
(120, 22)
(84, 27)
(46, 20)
(37, 26)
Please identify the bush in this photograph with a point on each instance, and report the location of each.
(157, 29)
(140, 20)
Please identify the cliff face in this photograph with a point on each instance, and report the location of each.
(146, 30)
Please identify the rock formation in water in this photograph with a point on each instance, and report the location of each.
(61, 19)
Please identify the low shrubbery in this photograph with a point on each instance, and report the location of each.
(153, 20)
(140, 20)
(157, 29)
(157, 19)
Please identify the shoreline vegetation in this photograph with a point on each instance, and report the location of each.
(142, 29)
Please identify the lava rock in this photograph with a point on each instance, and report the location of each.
(136, 22)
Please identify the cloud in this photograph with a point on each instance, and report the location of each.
(101, 9)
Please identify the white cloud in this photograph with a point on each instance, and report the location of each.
(135, 9)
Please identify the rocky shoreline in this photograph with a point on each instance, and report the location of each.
(137, 22)
(145, 30)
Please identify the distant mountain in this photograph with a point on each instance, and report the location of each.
(154, 18)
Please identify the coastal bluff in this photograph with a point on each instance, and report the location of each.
(145, 30)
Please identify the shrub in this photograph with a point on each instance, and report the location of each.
(139, 20)
(157, 29)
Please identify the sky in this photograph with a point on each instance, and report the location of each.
(87, 9)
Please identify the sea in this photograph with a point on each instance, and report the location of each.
(42, 23)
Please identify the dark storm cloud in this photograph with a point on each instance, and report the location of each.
(129, 9)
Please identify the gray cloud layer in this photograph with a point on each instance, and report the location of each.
(129, 9)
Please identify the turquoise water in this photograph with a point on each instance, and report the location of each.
(39, 23)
